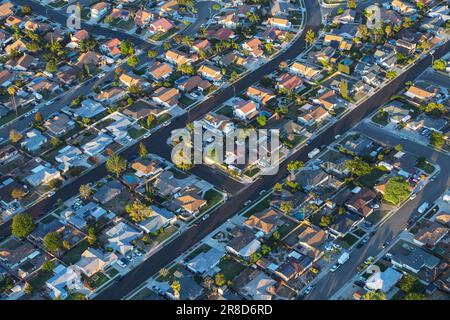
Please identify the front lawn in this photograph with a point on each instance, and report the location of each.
(230, 268)
(369, 180)
(213, 197)
(74, 255)
(381, 118)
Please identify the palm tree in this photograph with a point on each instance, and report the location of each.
(12, 92)
(176, 287)
(310, 36)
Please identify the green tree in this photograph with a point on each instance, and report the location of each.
(138, 211)
(391, 74)
(325, 221)
(48, 265)
(409, 283)
(149, 121)
(219, 279)
(143, 152)
(26, 9)
(152, 53)
(415, 296)
(91, 237)
(116, 164)
(261, 120)
(85, 191)
(176, 287)
(310, 37)
(14, 136)
(294, 166)
(22, 225)
(440, 65)
(51, 66)
(37, 118)
(52, 242)
(18, 193)
(358, 167)
(437, 140)
(133, 61)
(397, 190)
(374, 295)
(286, 207)
(276, 235)
(277, 187)
(352, 4)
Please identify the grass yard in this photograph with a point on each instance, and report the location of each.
(381, 119)
(347, 241)
(260, 206)
(39, 280)
(230, 268)
(97, 280)
(185, 101)
(213, 197)
(166, 234)
(369, 180)
(425, 166)
(203, 248)
(136, 133)
(73, 255)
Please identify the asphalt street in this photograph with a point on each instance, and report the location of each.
(392, 227)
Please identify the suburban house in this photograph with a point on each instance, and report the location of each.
(281, 23)
(261, 95)
(406, 255)
(178, 58)
(253, 46)
(99, 10)
(209, 72)
(160, 70)
(168, 97)
(111, 48)
(429, 233)
(305, 71)
(42, 174)
(120, 237)
(93, 261)
(289, 82)
(161, 25)
(59, 124)
(160, 218)
(243, 243)
(245, 110)
(263, 221)
(65, 280)
(362, 202)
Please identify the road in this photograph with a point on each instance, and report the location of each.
(393, 226)
(205, 11)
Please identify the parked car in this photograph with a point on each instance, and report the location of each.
(121, 263)
(308, 289)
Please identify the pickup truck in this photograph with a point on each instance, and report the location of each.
(313, 153)
(343, 258)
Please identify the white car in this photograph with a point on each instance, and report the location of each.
(101, 75)
(137, 252)
(51, 193)
(206, 216)
(413, 196)
(121, 264)
(335, 267)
